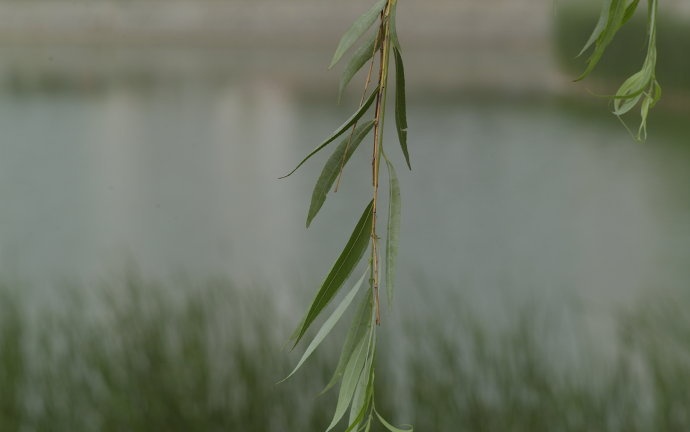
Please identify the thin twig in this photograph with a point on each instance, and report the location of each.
(376, 158)
(361, 102)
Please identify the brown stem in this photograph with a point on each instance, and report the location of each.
(376, 158)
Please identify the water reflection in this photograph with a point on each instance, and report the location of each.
(514, 209)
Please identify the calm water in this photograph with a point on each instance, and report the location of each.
(508, 200)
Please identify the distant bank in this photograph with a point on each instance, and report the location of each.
(448, 44)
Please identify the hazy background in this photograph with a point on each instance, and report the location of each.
(140, 150)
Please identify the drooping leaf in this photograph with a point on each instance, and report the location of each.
(393, 24)
(361, 323)
(343, 267)
(333, 166)
(630, 10)
(357, 30)
(400, 104)
(351, 377)
(389, 426)
(614, 21)
(392, 230)
(345, 126)
(599, 28)
(363, 54)
(360, 400)
(329, 324)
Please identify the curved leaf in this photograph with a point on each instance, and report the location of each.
(393, 229)
(361, 323)
(614, 21)
(346, 262)
(393, 24)
(351, 377)
(359, 59)
(333, 166)
(389, 426)
(358, 28)
(400, 104)
(329, 324)
(345, 126)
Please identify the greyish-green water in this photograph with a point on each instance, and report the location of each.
(506, 197)
(539, 215)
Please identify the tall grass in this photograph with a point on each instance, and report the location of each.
(142, 356)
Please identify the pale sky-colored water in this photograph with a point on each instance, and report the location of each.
(504, 196)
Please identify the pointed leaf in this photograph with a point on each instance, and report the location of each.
(333, 166)
(358, 28)
(393, 229)
(394, 25)
(614, 22)
(630, 11)
(389, 426)
(599, 28)
(361, 323)
(345, 126)
(363, 54)
(351, 377)
(400, 105)
(360, 398)
(346, 262)
(329, 324)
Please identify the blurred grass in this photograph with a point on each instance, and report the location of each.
(143, 356)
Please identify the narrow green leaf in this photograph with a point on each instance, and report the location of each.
(363, 54)
(346, 262)
(360, 400)
(614, 22)
(599, 28)
(630, 11)
(329, 324)
(333, 166)
(393, 24)
(345, 126)
(400, 104)
(351, 377)
(361, 323)
(389, 426)
(393, 229)
(357, 30)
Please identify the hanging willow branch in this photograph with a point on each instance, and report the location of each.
(355, 369)
(641, 87)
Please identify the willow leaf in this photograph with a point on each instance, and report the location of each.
(361, 323)
(351, 377)
(630, 10)
(357, 30)
(614, 21)
(360, 399)
(599, 28)
(393, 25)
(333, 166)
(363, 54)
(346, 262)
(329, 324)
(345, 126)
(393, 229)
(400, 104)
(389, 426)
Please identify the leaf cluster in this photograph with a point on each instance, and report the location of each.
(355, 369)
(641, 87)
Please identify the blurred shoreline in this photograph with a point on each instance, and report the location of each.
(448, 46)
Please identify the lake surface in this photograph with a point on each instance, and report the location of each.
(508, 200)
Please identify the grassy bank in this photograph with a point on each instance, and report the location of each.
(206, 356)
